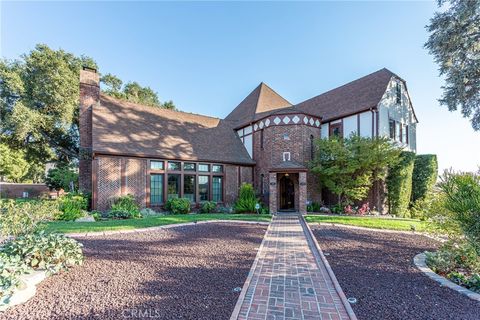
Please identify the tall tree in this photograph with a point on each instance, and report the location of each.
(455, 44)
(349, 167)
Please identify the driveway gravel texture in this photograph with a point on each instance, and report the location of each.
(180, 273)
(377, 268)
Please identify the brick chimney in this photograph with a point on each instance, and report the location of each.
(89, 96)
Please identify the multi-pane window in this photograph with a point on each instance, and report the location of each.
(336, 129)
(397, 131)
(173, 166)
(156, 165)
(188, 166)
(217, 168)
(156, 189)
(405, 134)
(203, 167)
(392, 129)
(217, 193)
(398, 93)
(203, 187)
(189, 187)
(173, 190)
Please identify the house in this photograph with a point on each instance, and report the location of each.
(156, 154)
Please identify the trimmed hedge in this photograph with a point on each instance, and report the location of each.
(399, 185)
(425, 172)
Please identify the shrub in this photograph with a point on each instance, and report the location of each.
(50, 251)
(425, 171)
(125, 207)
(208, 207)
(62, 178)
(72, 206)
(462, 200)
(453, 255)
(97, 215)
(399, 185)
(313, 207)
(11, 267)
(178, 205)
(21, 218)
(247, 200)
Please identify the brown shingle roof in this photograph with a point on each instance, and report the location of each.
(353, 97)
(121, 127)
(261, 100)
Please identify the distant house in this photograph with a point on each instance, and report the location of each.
(156, 154)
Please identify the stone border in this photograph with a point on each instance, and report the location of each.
(338, 288)
(158, 228)
(243, 293)
(420, 263)
(22, 295)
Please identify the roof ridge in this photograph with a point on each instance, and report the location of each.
(154, 108)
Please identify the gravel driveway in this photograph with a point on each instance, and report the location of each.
(181, 273)
(377, 268)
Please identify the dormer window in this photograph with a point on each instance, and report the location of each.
(399, 93)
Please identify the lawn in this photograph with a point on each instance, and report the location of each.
(152, 221)
(373, 222)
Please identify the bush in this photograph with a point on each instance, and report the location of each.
(146, 212)
(62, 178)
(72, 206)
(22, 218)
(208, 207)
(247, 200)
(178, 205)
(425, 172)
(11, 267)
(97, 215)
(50, 251)
(125, 207)
(399, 185)
(462, 200)
(313, 207)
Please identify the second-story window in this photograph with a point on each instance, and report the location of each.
(392, 129)
(399, 93)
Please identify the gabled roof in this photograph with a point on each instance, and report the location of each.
(356, 96)
(261, 100)
(125, 128)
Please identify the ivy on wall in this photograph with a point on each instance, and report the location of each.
(399, 185)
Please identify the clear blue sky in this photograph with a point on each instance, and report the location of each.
(207, 57)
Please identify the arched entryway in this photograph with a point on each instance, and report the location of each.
(287, 193)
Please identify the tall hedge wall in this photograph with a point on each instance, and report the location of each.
(425, 172)
(399, 185)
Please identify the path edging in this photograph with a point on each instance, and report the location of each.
(156, 228)
(420, 263)
(243, 293)
(336, 284)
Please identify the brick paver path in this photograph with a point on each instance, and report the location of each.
(289, 279)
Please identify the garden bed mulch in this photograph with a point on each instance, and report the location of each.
(181, 273)
(377, 268)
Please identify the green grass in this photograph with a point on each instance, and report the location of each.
(373, 222)
(152, 221)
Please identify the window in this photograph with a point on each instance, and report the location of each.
(397, 131)
(187, 166)
(261, 139)
(286, 156)
(189, 187)
(312, 147)
(173, 186)
(204, 167)
(399, 93)
(286, 136)
(336, 129)
(217, 168)
(203, 187)
(217, 189)
(173, 166)
(156, 189)
(391, 124)
(156, 165)
(404, 134)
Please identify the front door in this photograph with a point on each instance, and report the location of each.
(287, 193)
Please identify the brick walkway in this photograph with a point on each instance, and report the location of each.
(289, 279)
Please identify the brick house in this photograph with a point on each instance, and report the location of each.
(156, 154)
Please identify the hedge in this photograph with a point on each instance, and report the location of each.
(425, 173)
(399, 185)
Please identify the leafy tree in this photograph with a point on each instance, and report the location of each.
(349, 167)
(13, 165)
(454, 43)
(61, 178)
